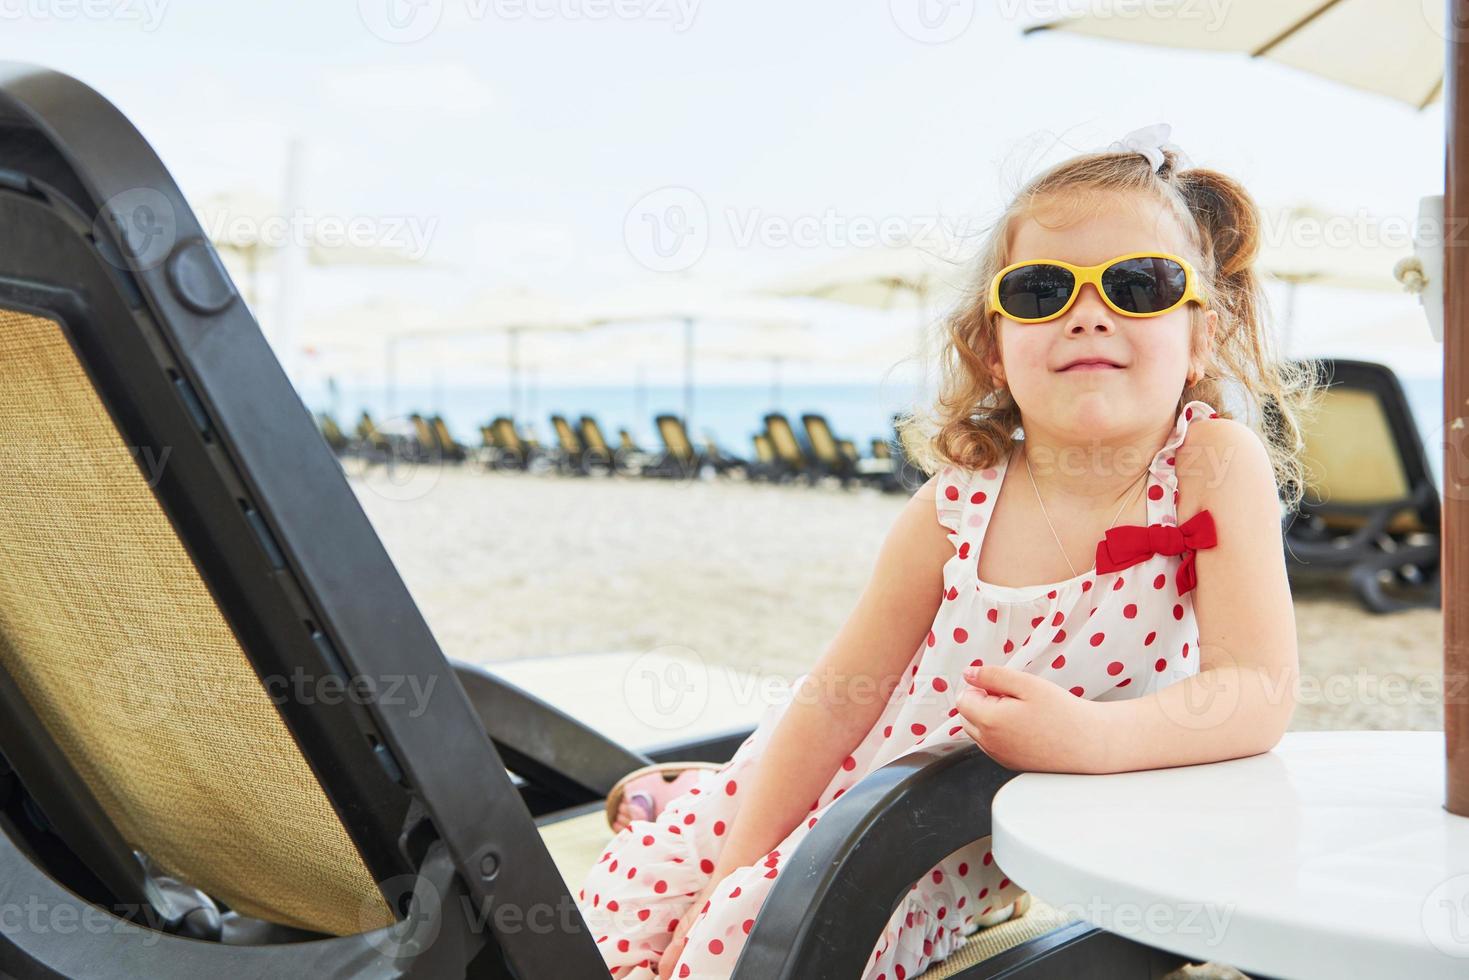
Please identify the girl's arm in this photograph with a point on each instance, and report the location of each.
(1241, 700)
(845, 692)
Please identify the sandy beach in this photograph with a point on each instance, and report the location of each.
(759, 577)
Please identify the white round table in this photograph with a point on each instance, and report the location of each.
(1329, 856)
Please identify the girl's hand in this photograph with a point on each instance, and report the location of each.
(670, 956)
(1026, 723)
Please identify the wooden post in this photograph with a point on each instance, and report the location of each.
(1456, 409)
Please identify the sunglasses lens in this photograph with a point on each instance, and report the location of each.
(1145, 285)
(1035, 291)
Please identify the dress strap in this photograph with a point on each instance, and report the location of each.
(1162, 491)
(964, 500)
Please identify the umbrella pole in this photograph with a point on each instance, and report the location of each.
(1456, 395)
(390, 389)
(688, 376)
(514, 358)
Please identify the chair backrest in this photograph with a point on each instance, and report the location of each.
(823, 444)
(624, 439)
(783, 438)
(565, 435)
(441, 434)
(505, 435)
(675, 438)
(113, 638)
(880, 449)
(1362, 450)
(591, 434)
(198, 626)
(764, 452)
(331, 431)
(849, 449)
(424, 433)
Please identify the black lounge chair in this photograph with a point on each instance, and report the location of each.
(448, 447)
(170, 782)
(680, 460)
(826, 449)
(372, 443)
(788, 448)
(766, 465)
(573, 454)
(597, 453)
(423, 444)
(510, 451)
(332, 433)
(1371, 507)
(723, 462)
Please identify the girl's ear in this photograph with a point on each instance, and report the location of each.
(1200, 361)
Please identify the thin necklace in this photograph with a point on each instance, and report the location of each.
(1059, 545)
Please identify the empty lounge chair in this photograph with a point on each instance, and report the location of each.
(1371, 508)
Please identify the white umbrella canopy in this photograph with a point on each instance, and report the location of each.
(1304, 244)
(512, 310)
(776, 347)
(503, 309)
(884, 278)
(246, 226)
(678, 298)
(1392, 47)
(690, 301)
(925, 278)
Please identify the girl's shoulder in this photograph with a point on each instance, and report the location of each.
(1219, 458)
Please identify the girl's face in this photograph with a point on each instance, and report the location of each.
(1149, 358)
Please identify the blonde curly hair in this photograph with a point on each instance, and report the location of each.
(973, 418)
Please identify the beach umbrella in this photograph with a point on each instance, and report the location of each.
(776, 347)
(1305, 245)
(246, 226)
(374, 327)
(513, 311)
(895, 277)
(1390, 47)
(688, 301)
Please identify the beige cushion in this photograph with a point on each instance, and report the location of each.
(115, 641)
(1351, 458)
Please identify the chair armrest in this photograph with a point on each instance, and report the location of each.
(542, 743)
(824, 915)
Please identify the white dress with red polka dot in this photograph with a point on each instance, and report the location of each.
(1104, 636)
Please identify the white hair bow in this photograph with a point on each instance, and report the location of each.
(1151, 141)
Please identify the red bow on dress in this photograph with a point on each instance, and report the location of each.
(1130, 544)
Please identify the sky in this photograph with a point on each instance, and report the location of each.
(526, 142)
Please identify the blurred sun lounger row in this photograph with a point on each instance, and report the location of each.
(1370, 519)
(780, 453)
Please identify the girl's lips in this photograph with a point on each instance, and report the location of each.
(1091, 366)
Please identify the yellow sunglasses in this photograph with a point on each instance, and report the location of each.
(1139, 284)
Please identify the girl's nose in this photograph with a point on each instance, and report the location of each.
(1089, 315)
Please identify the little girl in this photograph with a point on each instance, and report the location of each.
(1106, 593)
